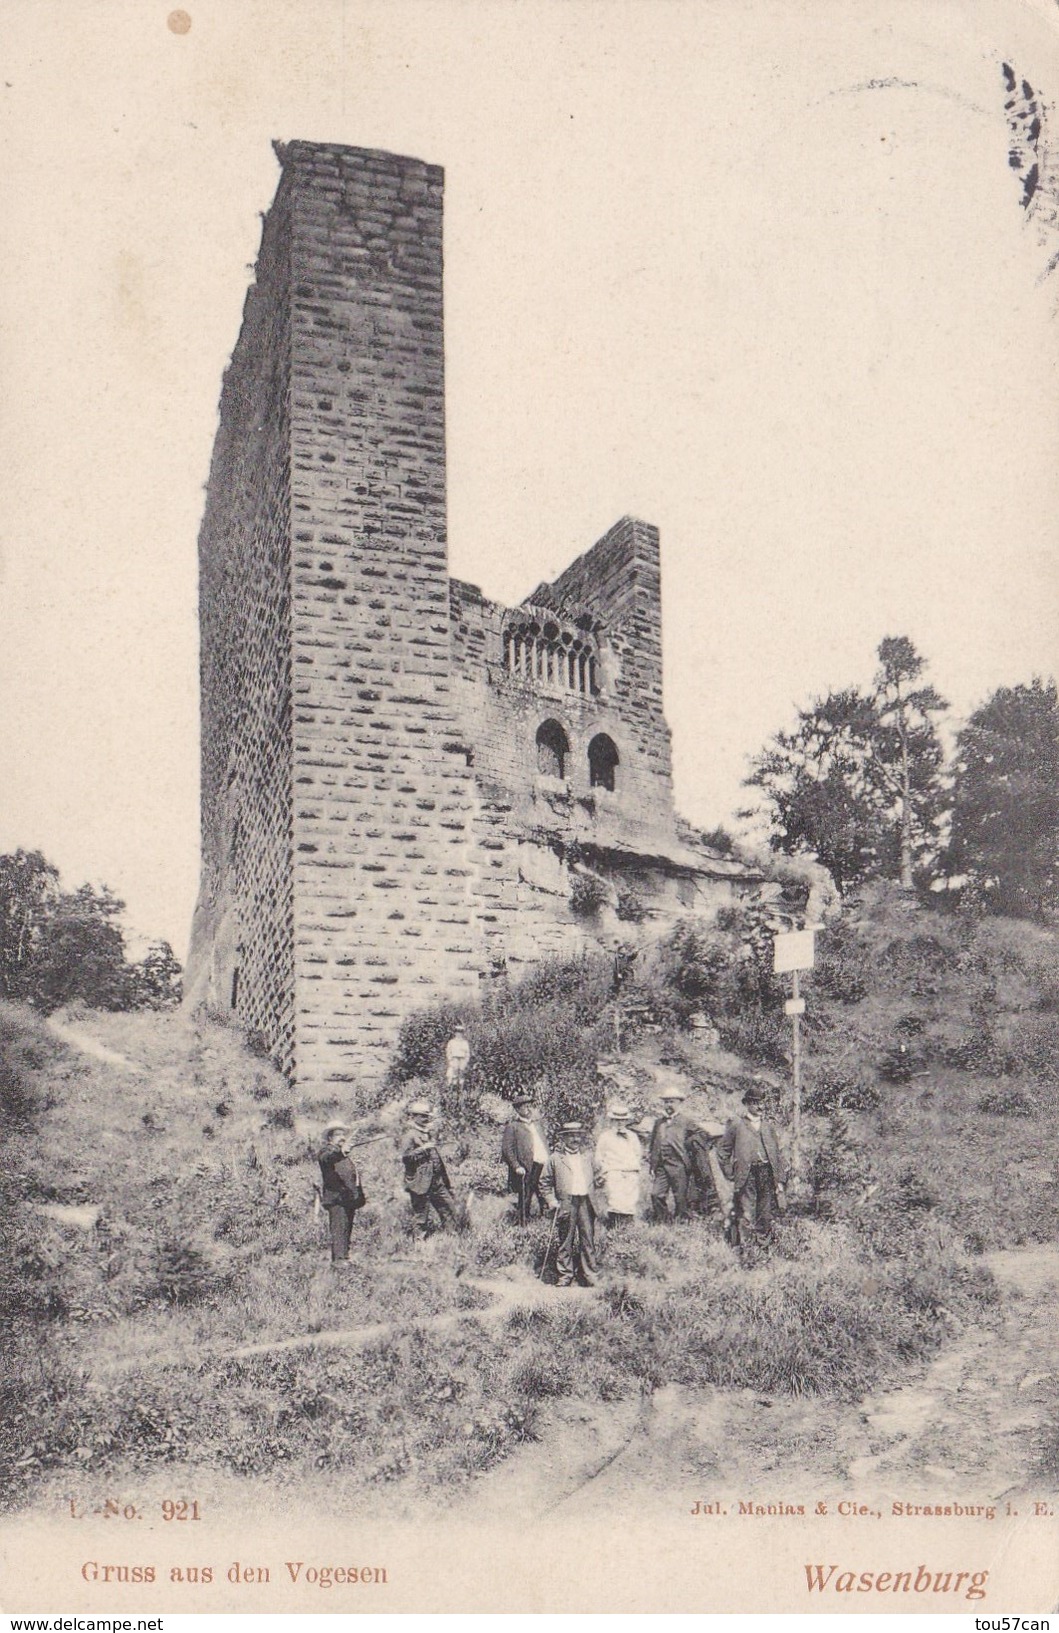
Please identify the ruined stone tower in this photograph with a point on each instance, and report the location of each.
(336, 810)
(402, 782)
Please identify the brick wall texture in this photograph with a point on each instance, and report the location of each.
(380, 827)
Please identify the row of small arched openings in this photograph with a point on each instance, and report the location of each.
(553, 755)
(547, 654)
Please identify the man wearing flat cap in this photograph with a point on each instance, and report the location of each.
(426, 1178)
(341, 1193)
(525, 1150)
(567, 1185)
(751, 1158)
(618, 1166)
(669, 1159)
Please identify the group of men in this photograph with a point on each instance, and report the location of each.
(736, 1170)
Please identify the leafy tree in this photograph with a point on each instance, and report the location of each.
(82, 953)
(29, 890)
(817, 792)
(1005, 818)
(858, 781)
(155, 982)
(58, 946)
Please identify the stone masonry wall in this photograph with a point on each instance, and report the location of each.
(383, 798)
(621, 577)
(500, 713)
(377, 830)
(241, 954)
(530, 826)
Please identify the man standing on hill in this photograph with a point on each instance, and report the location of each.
(618, 1165)
(525, 1151)
(669, 1159)
(457, 1060)
(567, 1184)
(710, 1192)
(751, 1158)
(426, 1178)
(341, 1192)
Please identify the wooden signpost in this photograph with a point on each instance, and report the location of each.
(794, 951)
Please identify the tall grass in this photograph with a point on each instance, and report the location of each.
(200, 1166)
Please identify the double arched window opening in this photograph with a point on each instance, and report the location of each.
(553, 756)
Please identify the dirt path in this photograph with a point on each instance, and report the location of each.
(523, 1293)
(973, 1424)
(88, 1045)
(982, 1405)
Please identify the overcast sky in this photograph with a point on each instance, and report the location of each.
(757, 273)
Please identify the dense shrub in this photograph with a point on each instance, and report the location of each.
(841, 1086)
(764, 1038)
(25, 1047)
(693, 961)
(838, 1165)
(588, 893)
(844, 968)
(184, 1274)
(544, 1035)
(1006, 1102)
(630, 908)
(420, 1050)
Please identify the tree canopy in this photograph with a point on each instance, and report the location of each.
(1005, 816)
(57, 946)
(858, 782)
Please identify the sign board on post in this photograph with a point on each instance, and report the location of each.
(793, 950)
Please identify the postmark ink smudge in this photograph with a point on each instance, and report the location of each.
(1029, 157)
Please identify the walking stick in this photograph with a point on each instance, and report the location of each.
(548, 1246)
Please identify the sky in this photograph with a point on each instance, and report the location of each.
(758, 273)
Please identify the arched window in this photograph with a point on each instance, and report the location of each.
(602, 762)
(553, 746)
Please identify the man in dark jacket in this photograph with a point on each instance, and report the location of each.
(709, 1191)
(751, 1158)
(525, 1151)
(669, 1159)
(567, 1183)
(341, 1193)
(426, 1178)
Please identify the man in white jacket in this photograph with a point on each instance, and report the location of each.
(618, 1167)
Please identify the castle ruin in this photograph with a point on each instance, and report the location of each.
(407, 789)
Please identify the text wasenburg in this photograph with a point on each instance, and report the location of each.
(825, 1578)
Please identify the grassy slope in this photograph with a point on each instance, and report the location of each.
(205, 1242)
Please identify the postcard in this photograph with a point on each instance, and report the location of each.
(529, 913)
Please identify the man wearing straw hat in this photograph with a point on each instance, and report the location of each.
(426, 1178)
(669, 1159)
(618, 1166)
(567, 1185)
